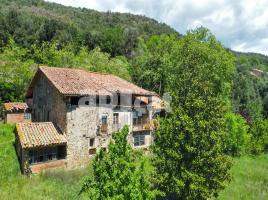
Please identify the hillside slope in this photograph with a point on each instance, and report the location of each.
(36, 21)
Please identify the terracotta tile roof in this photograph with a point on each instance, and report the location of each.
(15, 106)
(39, 134)
(81, 82)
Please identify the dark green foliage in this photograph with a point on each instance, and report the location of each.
(112, 41)
(155, 62)
(250, 99)
(250, 92)
(116, 175)
(32, 22)
(189, 158)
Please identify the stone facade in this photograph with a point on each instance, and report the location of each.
(48, 104)
(82, 124)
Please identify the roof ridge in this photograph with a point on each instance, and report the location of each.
(76, 81)
(76, 68)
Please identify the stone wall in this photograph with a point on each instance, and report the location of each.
(82, 125)
(48, 104)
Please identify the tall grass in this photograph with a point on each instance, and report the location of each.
(250, 179)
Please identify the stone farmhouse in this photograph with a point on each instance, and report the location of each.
(75, 113)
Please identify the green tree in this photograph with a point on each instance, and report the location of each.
(112, 41)
(155, 62)
(94, 60)
(116, 174)
(259, 136)
(15, 72)
(188, 150)
(237, 137)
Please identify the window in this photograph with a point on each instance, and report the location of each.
(92, 151)
(34, 117)
(27, 115)
(108, 99)
(104, 119)
(97, 100)
(74, 101)
(43, 155)
(47, 154)
(139, 139)
(116, 118)
(91, 142)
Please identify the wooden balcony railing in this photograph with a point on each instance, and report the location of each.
(141, 127)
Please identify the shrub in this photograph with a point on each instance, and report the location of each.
(259, 137)
(236, 137)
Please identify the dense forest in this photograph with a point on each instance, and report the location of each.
(217, 97)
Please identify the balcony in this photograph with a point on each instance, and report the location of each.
(142, 127)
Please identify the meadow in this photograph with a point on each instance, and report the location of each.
(250, 177)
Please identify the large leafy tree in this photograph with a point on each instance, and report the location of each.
(188, 149)
(117, 174)
(15, 72)
(154, 62)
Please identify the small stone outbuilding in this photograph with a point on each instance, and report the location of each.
(15, 112)
(40, 146)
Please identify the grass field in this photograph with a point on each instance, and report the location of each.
(250, 177)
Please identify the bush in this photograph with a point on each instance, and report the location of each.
(259, 137)
(236, 137)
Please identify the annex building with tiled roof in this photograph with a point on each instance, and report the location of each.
(39, 134)
(74, 114)
(16, 112)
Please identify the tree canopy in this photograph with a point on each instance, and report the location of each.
(189, 158)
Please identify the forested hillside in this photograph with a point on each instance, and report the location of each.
(31, 22)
